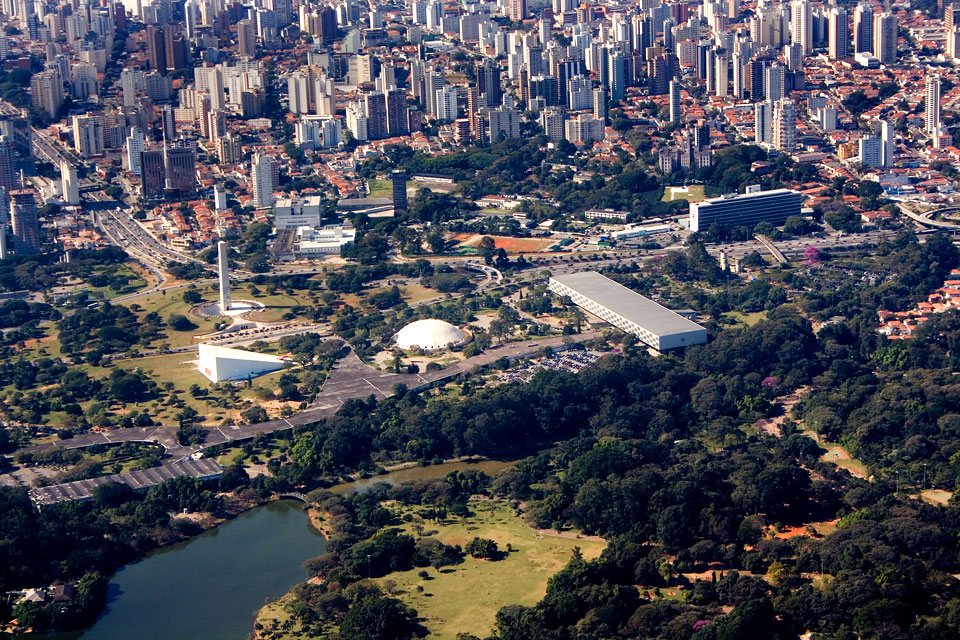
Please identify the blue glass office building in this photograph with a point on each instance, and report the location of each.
(747, 209)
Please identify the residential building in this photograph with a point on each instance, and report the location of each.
(263, 171)
(69, 183)
(784, 125)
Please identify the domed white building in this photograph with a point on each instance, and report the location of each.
(429, 335)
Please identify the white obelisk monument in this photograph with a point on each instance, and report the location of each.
(223, 262)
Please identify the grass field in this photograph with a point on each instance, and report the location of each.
(466, 597)
(137, 282)
(172, 303)
(383, 188)
(692, 193)
(748, 319)
(179, 369)
(277, 305)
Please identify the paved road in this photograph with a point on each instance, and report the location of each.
(349, 379)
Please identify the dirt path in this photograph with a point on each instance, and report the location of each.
(786, 404)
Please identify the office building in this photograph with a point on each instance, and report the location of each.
(152, 174)
(375, 109)
(746, 210)
(181, 168)
(219, 364)
(23, 216)
(8, 165)
(398, 180)
(488, 83)
(291, 213)
(627, 310)
(246, 38)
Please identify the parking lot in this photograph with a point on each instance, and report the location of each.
(572, 361)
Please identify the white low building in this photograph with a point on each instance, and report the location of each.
(292, 213)
(325, 241)
(627, 310)
(641, 230)
(219, 364)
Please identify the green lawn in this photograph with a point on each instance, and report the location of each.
(278, 304)
(694, 193)
(171, 303)
(466, 597)
(180, 370)
(748, 319)
(136, 283)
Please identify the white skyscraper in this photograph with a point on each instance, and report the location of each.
(793, 54)
(931, 116)
(675, 114)
(839, 33)
(262, 171)
(784, 125)
(722, 76)
(69, 183)
(801, 25)
(297, 92)
(134, 149)
(130, 83)
(774, 81)
(447, 104)
(887, 136)
(871, 151)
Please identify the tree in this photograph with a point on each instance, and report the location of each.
(192, 296)
(487, 249)
(377, 618)
(482, 548)
(179, 322)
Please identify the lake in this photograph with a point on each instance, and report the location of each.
(211, 586)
